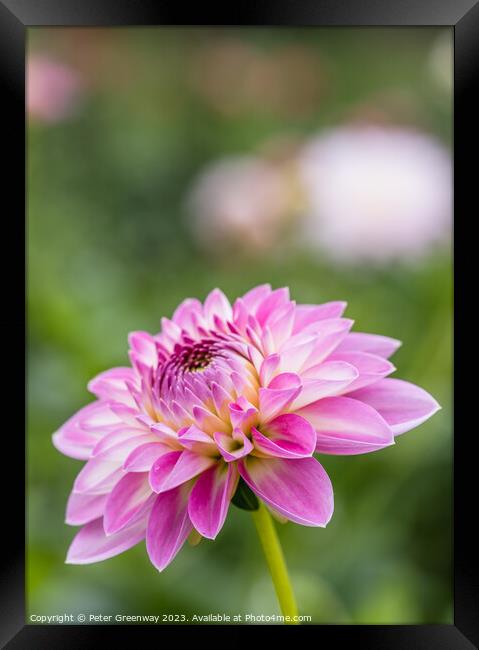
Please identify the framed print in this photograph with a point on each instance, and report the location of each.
(241, 259)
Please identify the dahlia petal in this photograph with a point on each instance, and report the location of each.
(82, 508)
(281, 326)
(403, 405)
(347, 426)
(293, 358)
(299, 489)
(118, 444)
(143, 349)
(208, 421)
(98, 476)
(287, 436)
(210, 498)
(217, 304)
(79, 434)
(280, 393)
(255, 296)
(243, 415)
(196, 440)
(176, 468)
(308, 314)
(91, 544)
(371, 367)
(125, 501)
(273, 302)
(383, 346)
(111, 385)
(268, 368)
(168, 526)
(183, 313)
(143, 457)
(114, 438)
(324, 380)
(329, 335)
(76, 444)
(233, 447)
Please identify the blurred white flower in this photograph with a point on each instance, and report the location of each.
(53, 89)
(376, 193)
(240, 202)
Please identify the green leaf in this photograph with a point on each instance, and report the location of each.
(244, 498)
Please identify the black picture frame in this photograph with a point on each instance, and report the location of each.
(15, 17)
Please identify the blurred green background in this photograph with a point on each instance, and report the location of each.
(109, 251)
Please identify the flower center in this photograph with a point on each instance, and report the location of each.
(193, 358)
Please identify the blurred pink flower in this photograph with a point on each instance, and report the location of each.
(376, 193)
(53, 89)
(251, 390)
(241, 203)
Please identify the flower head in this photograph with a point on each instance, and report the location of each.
(376, 193)
(225, 394)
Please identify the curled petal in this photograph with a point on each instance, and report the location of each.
(383, 346)
(298, 489)
(91, 544)
(403, 405)
(347, 426)
(176, 468)
(112, 385)
(371, 368)
(233, 447)
(210, 498)
(82, 508)
(125, 501)
(278, 396)
(168, 526)
(324, 380)
(287, 436)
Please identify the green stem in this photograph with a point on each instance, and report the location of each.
(277, 566)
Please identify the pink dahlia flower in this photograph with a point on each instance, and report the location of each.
(226, 396)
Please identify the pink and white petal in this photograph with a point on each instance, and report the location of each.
(143, 350)
(196, 440)
(347, 426)
(98, 476)
(125, 501)
(326, 379)
(287, 436)
(281, 326)
(91, 544)
(403, 405)
(271, 304)
(256, 296)
(143, 457)
(329, 335)
(299, 489)
(76, 444)
(278, 396)
(82, 508)
(168, 526)
(243, 414)
(111, 385)
(308, 314)
(176, 468)
(217, 304)
(210, 498)
(383, 346)
(126, 435)
(371, 368)
(79, 434)
(234, 446)
(183, 313)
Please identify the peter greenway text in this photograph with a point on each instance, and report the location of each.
(158, 619)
